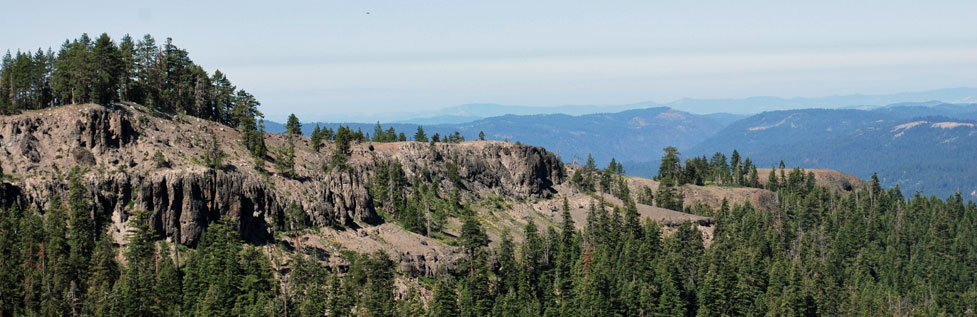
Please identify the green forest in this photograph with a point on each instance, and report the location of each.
(871, 251)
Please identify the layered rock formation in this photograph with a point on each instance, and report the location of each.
(114, 149)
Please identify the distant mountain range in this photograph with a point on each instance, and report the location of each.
(635, 135)
(927, 146)
(739, 106)
(924, 147)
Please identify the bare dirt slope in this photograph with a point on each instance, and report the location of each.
(713, 196)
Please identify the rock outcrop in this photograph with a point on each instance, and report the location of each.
(113, 148)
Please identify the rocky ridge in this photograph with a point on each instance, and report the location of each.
(114, 147)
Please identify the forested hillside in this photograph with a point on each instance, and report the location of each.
(162, 196)
(821, 252)
(162, 77)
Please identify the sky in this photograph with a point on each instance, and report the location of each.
(326, 58)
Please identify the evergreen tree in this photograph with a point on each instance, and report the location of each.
(107, 70)
(10, 273)
(316, 138)
(55, 260)
(285, 157)
(737, 169)
(224, 99)
(215, 156)
(569, 252)
(667, 197)
(444, 301)
(420, 136)
(772, 183)
(341, 153)
(293, 126)
(256, 290)
(378, 292)
(213, 274)
(101, 296)
(168, 288)
(508, 268)
(670, 166)
(472, 239)
(378, 134)
(137, 293)
(81, 240)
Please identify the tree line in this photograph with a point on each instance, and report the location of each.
(717, 170)
(83, 70)
(867, 252)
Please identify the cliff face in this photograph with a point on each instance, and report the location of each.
(114, 147)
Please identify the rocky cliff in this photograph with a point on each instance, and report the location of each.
(115, 146)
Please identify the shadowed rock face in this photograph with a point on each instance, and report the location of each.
(114, 146)
(483, 166)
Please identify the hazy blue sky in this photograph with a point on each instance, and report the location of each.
(319, 58)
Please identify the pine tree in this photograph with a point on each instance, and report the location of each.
(297, 218)
(215, 156)
(244, 111)
(378, 292)
(772, 183)
(293, 126)
(316, 138)
(11, 274)
(255, 294)
(530, 261)
(670, 166)
(101, 296)
(419, 136)
(667, 197)
(168, 286)
(378, 134)
(213, 274)
(412, 305)
(444, 302)
(569, 252)
(591, 164)
(137, 293)
(285, 157)
(737, 168)
(508, 268)
(31, 246)
(107, 70)
(55, 260)
(670, 303)
(340, 154)
(82, 235)
(224, 100)
(127, 71)
(472, 239)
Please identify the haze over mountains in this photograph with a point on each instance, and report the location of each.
(919, 151)
(860, 134)
(740, 106)
(133, 182)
